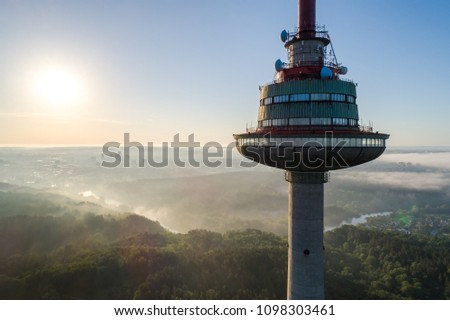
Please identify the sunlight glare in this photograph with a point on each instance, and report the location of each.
(58, 87)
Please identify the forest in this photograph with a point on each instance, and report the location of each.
(55, 248)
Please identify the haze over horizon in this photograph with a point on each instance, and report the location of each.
(85, 72)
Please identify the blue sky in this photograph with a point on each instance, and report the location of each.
(158, 68)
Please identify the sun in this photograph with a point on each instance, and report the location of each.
(58, 87)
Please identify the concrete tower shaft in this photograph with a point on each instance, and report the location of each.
(305, 236)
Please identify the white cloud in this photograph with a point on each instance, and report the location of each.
(408, 180)
(429, 159)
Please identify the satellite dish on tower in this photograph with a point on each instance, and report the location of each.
(279, 65)
(284, 36)
(343, 70)
(326, 73)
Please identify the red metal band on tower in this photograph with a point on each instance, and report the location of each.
(307, 16)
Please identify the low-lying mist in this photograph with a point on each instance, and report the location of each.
(222, 198)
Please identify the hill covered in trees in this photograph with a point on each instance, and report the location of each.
(55, 248)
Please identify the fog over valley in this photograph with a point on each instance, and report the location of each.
(222, 198)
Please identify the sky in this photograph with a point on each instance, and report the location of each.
(158, 68)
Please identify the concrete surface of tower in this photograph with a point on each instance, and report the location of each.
(308, 124)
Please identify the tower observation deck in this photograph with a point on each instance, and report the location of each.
(308, 124)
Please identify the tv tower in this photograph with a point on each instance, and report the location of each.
(308, 124)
